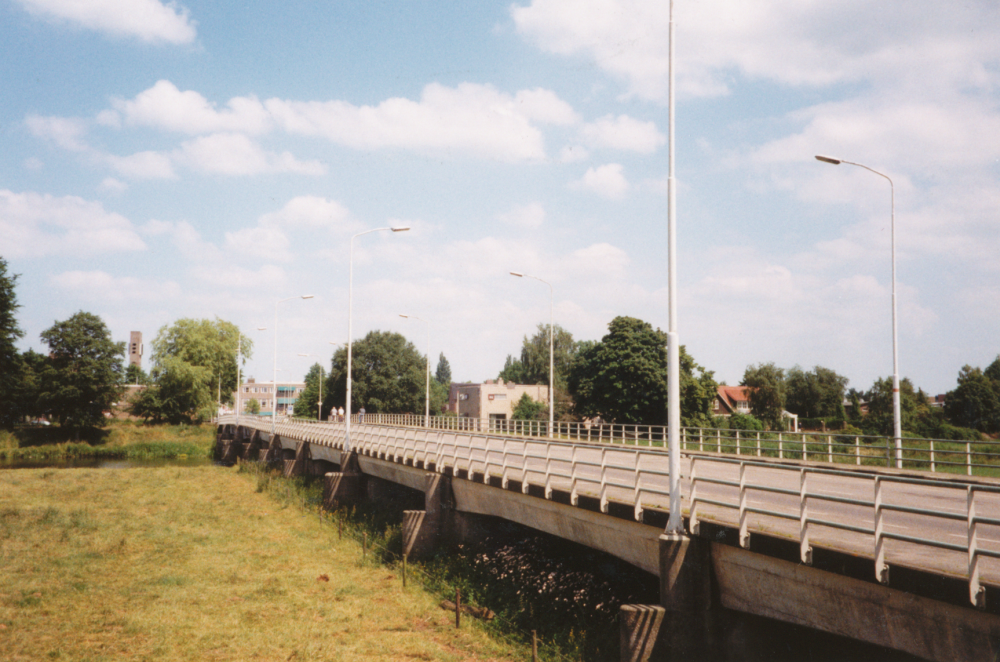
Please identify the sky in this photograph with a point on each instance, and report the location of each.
(200, 159)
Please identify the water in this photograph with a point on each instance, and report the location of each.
(106, 463)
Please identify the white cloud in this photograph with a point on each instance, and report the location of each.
(309, 211)
(606, 180)
(624, 132)
(236, 154)
(164, 106)
(531, 215)
(142, 165)
(34, 224)
(67, 132)
(112, 185)
(573, 153)
(468, 120)
(147, 20)
(787, 41)
(99, 286)
(263, 243)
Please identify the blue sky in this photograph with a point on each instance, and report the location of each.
(199, 159)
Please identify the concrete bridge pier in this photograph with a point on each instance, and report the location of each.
(682, 626)
(422, 529)
(252, 445)
(346, 486)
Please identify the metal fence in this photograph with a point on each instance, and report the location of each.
(888, 516)
(935, 455)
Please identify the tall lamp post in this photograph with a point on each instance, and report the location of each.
(239, 385)
(350, 326)
(427, 405)
(551, 347)
(274, 413)
(319, 403)
(675, 525)
(897, 425)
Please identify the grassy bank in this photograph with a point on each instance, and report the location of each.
(122, 439)
(194, 564)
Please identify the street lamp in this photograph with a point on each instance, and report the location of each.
(897, 427)
(551, 352)
(675, 525)
(350, 327)
(319, 403)
(274, 413)
(427, 406)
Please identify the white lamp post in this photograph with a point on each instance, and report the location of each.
(274, 411)
(675, 525)
(551, 352)
(319, 403)
(350, 327)
(897, 426)
(239, 385)
(427, 405)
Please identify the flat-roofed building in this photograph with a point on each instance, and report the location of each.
(493, 399)
(266, 395)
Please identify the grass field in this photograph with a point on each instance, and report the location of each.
(194, 564)
(122, 439)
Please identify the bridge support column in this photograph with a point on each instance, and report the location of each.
(639, 630)
(273, 451)
(298, 466)
(251, 449)
(686, 596)
(422, 528)
(345, 486)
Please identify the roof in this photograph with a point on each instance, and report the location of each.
(730, 395)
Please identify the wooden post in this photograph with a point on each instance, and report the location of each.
(458, 608)
(534, 646)
(404, 570)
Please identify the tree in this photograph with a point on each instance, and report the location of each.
(533, 366)
(192, 361)
(135, 375)
(814, 394)
(443, 372)
(388, 375)
(83, 376)
(11, 367)
(992, 371)
(305, 404)
(528, 409)
(624, 377)
(251, 406)
(975, 403)
(210, 344)
(766, 393)
(912, 403)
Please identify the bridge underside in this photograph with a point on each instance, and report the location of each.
(694, 579)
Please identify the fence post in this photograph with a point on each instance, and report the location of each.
(781, 447)
(693, 523)
(968, 457)
(881, 569)
(718, 440)
(977, 593)
(744, 533)
(829, 448)
(857, 450)
(805, 549)
(737, 442)
(758, 444)
(701, 439)
(932, 456)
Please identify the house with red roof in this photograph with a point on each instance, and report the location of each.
(731, 400)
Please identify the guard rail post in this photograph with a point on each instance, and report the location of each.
(977, 593)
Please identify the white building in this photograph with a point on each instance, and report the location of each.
(264, 393)
(493, 399)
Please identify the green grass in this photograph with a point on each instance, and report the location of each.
(195, 564)
(125, 440)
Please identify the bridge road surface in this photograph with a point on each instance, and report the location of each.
(619, 471)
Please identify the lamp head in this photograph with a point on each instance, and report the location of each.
(262, 328)
(404, 229)
(514, 273)
(307, 296)
(404, 316)
(828, 159)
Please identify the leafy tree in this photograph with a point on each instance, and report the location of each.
(975, 403)
(738, 421)
(388, 375)
(192, 360)
(135, 375)
(528, 409)
(26, 396)
(83, 376)
(11, 366)
(210, 344)
(305, 405)
(912, 404)
(533, 366)
(814, 394)
(992, 371)
(766, 393)
(251, 406)
(443, 372)
(624, 377)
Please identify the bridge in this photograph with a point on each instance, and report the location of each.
(827, 542)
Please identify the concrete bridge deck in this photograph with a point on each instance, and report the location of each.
(941, 526)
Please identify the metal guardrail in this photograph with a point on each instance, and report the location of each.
(639, 475)
(935, 455)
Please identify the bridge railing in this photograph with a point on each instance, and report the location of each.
(947, 525)
(980, 458)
